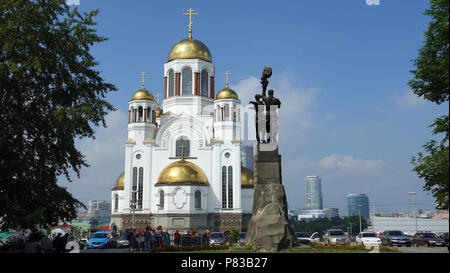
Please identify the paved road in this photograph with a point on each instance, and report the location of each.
(106, 250)
(423, 249)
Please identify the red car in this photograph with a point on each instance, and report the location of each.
(428, 239)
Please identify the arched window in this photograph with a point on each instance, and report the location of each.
(230, 187)
(161, 199)
(226, 112)
(186, 78)
(134, 186)
(116, 202)
(224, 187)
(141, 186)
(198, 200)
(186, 150)
(204, 83)
(171, 82)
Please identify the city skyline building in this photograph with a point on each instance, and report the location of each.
(354, 200)
(313, 193)
(247, 156)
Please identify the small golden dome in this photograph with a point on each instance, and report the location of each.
(182, 172)
(247, 180)
(120, 182)
(158, 112)
(190, 49)
(143, 94)
(227, 93)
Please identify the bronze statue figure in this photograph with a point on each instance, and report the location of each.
(271, 118)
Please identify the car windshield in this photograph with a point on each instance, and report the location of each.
(429, 235)
(395, 233)
(216, 235)
(301, 234)
(337, 233)
(242, 235)
(369, 235)
(100, 235)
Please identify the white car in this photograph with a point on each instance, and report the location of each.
(368, 239)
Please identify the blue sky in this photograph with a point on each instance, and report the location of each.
(340, 69)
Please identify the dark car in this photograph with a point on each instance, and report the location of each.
(303, 237)
(395, 238)
(242, 236)
(427, 239)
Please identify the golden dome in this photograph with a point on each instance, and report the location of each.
(182, 172)
(190, 49)
(143, 94)
(247, 180)
(120, 182)
(226, 93)
(159, 112)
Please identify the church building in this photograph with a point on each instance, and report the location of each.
(183, 166)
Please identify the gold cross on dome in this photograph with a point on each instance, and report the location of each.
(190, 21)
(226, 75)
(157, 97)
(143, 74)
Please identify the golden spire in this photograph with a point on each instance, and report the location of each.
(143, 74)
(190, 21)
(157, 98)
(226, 75)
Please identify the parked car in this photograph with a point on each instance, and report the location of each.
(122, 241)
(216, 238)
(395, 238)
(368, 239)
(100, 239)
(303, 237)
(242, 236)
(13, 242)
(427, 239)
(336, 237)
(315, 238)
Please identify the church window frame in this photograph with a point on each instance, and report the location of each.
(116, 202)
(186, 81)
(140, 187)
(171, 83)
(161, 200)
(182, 140)
(204, 83)
(224, 187)
(134, 186)
(230, 187)
(140, 114)
(198, 199)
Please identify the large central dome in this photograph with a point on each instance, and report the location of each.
(190, 49)
(182, 172)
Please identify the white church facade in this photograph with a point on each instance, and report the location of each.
(183, 166)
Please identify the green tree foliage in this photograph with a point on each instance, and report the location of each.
(431, 81)
(50, 94)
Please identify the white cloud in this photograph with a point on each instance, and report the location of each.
(295, 114)
(408, 100)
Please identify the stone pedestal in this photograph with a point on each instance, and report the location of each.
(269, 228)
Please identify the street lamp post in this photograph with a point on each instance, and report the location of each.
(360, 228)
(415, 217)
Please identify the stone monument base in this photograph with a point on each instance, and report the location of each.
(269, 228)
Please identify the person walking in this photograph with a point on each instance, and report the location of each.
(147, 239)
(167, 238)
(130, 239)
(158, 236)
(176, 238)
(153, 238)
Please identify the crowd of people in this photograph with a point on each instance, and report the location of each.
(151, 238)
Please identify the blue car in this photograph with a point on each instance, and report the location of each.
(101, 239)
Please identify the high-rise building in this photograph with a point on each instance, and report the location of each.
(100, 210)
(247, 156)
(331, 212)
(354, 200)
(313, 193)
